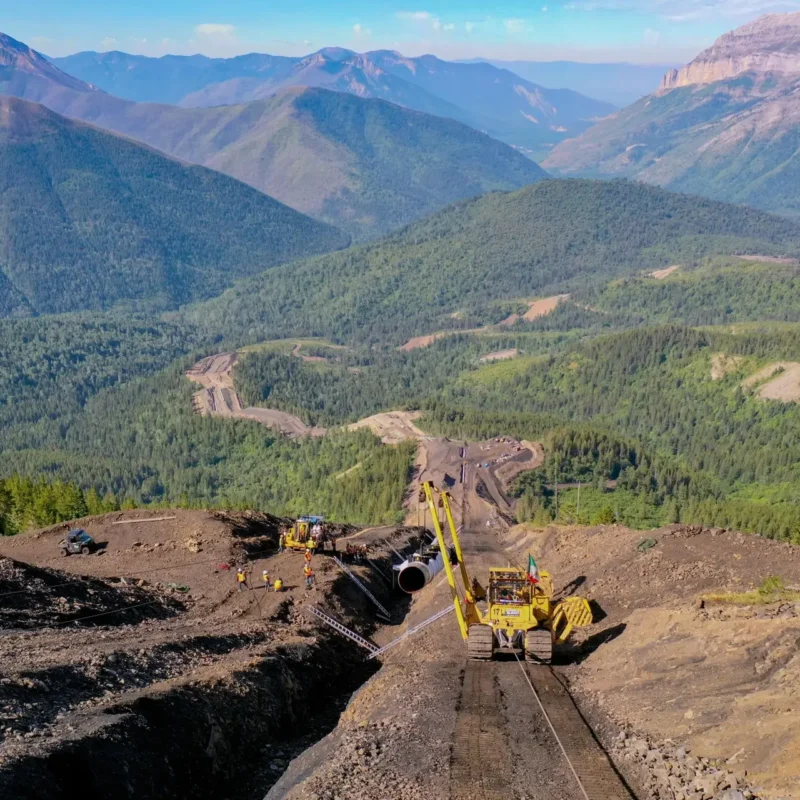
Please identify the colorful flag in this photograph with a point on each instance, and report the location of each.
(533, 570)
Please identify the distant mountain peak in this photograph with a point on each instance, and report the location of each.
(769, 44)
(25, 61)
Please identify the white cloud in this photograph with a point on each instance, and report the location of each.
(449, 27)
(515, 24)
(545, 9)
(651, 37)
(414, 16)
(214, 29)
(469, 27)
(109, 43)
(436, 24)
(360, 30)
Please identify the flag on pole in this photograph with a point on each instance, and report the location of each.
(533, 570)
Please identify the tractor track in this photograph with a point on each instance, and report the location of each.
(479, 768)
(591, 767)
(476, 768)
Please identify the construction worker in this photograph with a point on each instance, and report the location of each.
(307, 556)
(281, 542)
(309, 573)
(278, 585)
(241, 579)
(309, 546)
(265, 576)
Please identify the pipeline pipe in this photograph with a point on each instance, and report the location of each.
(416, 575)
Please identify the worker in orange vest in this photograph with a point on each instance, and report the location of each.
(241, 579)
(309, 573)
(307, 556)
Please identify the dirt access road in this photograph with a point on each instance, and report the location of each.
(218, 398)
(431, 724)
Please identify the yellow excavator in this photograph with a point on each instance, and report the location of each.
(301, 535)
(518, 615)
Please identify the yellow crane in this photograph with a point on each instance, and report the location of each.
(519, 615)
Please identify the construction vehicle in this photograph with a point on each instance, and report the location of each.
(77, 541)
(515, 613)
(307, 533)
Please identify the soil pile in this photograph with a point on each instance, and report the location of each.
(32, 597)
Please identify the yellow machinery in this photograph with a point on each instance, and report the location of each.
(519, 615)
(299, 536)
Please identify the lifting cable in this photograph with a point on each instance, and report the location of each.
(553, 730)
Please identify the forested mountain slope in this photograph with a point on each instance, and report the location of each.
(89, 219)
(487, 98)
(725, 126)
(364, 165)
(550, 237)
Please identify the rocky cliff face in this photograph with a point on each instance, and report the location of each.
(770, 44)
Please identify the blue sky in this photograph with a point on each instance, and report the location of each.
(644, 31)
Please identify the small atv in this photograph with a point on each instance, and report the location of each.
(78, 541)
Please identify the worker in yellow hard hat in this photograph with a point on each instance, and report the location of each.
(265, 577)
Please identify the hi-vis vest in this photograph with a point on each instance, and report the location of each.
(278, 585)
(308, 572)
(240, 576)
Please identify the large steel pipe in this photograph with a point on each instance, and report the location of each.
(415, 575)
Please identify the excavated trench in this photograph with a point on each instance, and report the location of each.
(226, 734)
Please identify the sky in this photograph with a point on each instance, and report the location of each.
(639, 31)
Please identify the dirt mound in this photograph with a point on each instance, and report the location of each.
(32, 597)
(721, 365)
(723, 678)
(660, 274)
(536, 309)
(192, 550)
(500, 355)
(393, 427)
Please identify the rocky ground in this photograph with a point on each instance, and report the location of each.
(210, 692)
(663, 663)
(84, 671)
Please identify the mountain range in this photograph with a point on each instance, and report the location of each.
(89, 220)
(620, 83)
(495, 101)
(365, 165)
(727, 125)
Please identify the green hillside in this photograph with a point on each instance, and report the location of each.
(366, 166)
(649, 412)
(734, 140)
(91, 220)
(551, 237)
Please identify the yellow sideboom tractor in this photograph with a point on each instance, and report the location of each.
(515, 613)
